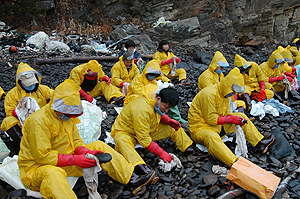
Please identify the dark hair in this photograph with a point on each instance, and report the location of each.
(129, 44)
(298, 43)
(169, 95)
(162, 42)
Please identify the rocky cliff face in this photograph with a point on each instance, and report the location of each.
(217, 21)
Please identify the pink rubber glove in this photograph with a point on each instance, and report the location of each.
(230, 119)
(165, 119)
(107, 79)
(14, 113)
(168, 61)
(86, 96)
(155, 149)
(293, 69)
(81, 150)
(275, 79)
(177, 60)
(78, 160)
(290, 75)
(262, 85)
(290, 78)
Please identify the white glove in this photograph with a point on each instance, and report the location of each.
(125, 87)
(94, 101)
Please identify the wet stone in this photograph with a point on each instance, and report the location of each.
(165, 179)
(294, 183)
(210, 179)
(284, 124)
(275, 162)
(289, 130)
(188, 170)
(213, 190)
(167, 188)
(191, 175)
(296, 146)
(161, 196)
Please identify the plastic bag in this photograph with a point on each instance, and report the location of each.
(294, 84)
(241, 145)
(4, 151)
(38, 39)
(90, 127)
(26, 106)
(167, 166)
(56, 45)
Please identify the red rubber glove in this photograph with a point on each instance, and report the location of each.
(14, 113)
(290, 78)
(177, 60)
(235, 96)
(168, 61)
(86, 96)
(275, 79)
(107, 79)
(78, 160)
(230, 119)
(293, 69)
(261, 96)
(262, 85)
(165, 119)
(155, 149)
(135, 60)
(81, 150)
(290, 75)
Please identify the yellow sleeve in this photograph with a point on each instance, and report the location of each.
(11, 101)
(208, 107)
(116, 74)
(75, 76)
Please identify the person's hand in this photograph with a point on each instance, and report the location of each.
(125, 88)
(230, 119)
(275, 79)
(86, 96)
(290, 75)
(81, 150)
(261, 96)
(107, 79)
(289, 78)
(165, 119)
(78, 160)
(168, 61)
(177, 60)
(165, 156)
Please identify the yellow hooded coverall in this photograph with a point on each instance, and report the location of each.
(78, 73)
(2, 92)
(209, 76)
(45, 136)
(203, 115)
(119, 73)
(15, 94)
(293, 49)
(270, 71)
(135, 88)
(162, 56)
(254, 76)
(287, 55)
(138, 122)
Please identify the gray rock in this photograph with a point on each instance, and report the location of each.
(214, 190)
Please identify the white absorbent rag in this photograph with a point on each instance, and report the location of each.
(241, 145)
(26, 106)
(90, 176)
(167, 166)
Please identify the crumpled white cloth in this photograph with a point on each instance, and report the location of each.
(125, 88)
(90, 177)
(204, 148)
(109, 139)
(241, 144)
(26, 106)
(220, 171)
(167, 166)
(260, 109)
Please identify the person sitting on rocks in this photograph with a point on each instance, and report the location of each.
(166, 58)
(289, 61)
(123, 72)
(254, 80)
(150, 74)
(91, 81)
(27, 85)
(2, 93)
(130, 45)
(214, 74)
(143, 120)
(52, 149)
(210, 117)
(294, 48)
(274, 70)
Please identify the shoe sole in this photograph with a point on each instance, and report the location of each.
(140, 187)
(267, 147)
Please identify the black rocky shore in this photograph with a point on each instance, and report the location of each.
(187, 182)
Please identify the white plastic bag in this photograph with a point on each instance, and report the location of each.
(38, 39)
(4, 151)
(26, 106)
(90, 127)
(241, 145)
(56, 45)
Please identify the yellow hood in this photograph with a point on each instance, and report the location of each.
(274, 55)
(149, 91)
(240, 61)
(24, 68)
(66, 98)
(217, 57)
(152, 66)
(286, 54)
(233, 77)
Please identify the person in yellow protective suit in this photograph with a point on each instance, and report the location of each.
(210, 112)
(2, 93)
(255, 81)
(149, 75)
(123, 72)
(27, 85)
(289, 62)
(91, 82)
(274, 70)
(143, 121)
(166, 57)
(51, 148)
(294, 48)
